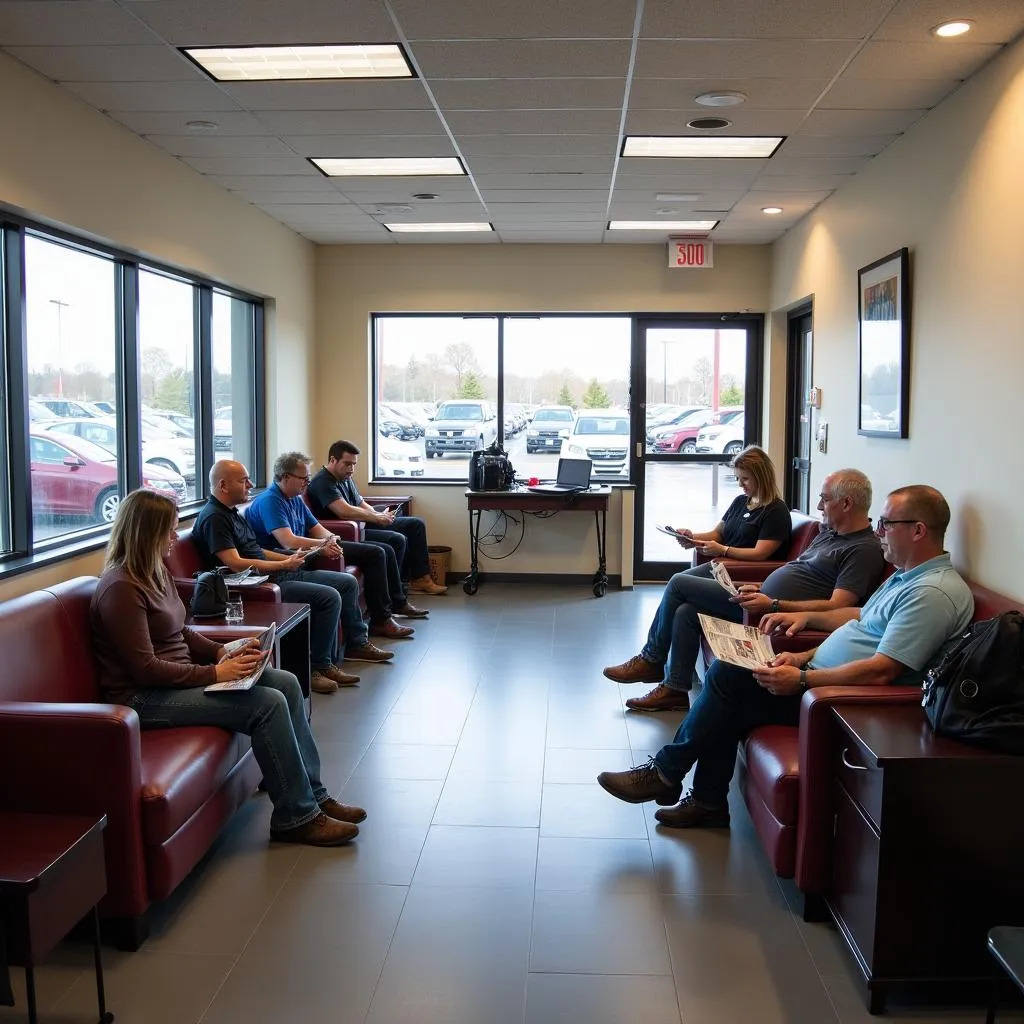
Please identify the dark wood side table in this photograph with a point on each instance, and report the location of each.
(928, 846)
(52, 874)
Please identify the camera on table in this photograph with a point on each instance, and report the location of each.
(491, 470)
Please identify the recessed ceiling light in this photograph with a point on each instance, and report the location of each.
(439, 228)
(661, 225)
(202, 126)
(424, 195)
(720, 99)
(288, 63)
(387, 167)
(771, 209)
(739, 146)
(677, 197)
(949, 29)
(708, 124)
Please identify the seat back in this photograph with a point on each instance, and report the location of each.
(184, 561)
(347, 529)
(988, 604)
(805, 529)
(46, 638)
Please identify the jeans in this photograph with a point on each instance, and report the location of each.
(407, 535)
(273, 714)
(381, 578)
(332, 597)
(730, 704)
(674, 636)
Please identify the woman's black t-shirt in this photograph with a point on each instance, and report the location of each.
(743, 527)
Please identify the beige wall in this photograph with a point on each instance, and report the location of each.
(354, 281)
(951, 190)
(66, 164)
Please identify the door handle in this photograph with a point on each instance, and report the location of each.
(639, 450)
(849, 764)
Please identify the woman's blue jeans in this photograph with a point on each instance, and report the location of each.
(674, 637)
(273, 715)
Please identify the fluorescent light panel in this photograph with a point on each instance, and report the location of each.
(661, 225)
(438, 228)
(387, 167)
(724, 146)
(290, 63)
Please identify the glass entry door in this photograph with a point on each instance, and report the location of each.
(696, 404)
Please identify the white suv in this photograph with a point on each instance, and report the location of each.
(548, 427)
(724, 437)
(601, 435)
(461, 425)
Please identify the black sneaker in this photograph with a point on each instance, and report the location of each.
(691, 814)
(640, 784)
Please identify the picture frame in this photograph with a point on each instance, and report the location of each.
(883, 335)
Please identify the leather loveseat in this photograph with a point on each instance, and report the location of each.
(166, 793)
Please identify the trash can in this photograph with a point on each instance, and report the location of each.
(440, 556)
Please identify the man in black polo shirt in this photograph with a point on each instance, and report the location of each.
(223, 537)
(332, 494)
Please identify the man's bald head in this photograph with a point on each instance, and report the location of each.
(229, 482)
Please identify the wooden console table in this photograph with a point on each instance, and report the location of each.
(523, 500)
(929, 842)
(52, 874)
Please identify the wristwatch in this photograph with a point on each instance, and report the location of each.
(803, 679)
(774, 605)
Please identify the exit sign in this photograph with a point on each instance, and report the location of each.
(691, 252)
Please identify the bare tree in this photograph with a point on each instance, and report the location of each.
(462, 359)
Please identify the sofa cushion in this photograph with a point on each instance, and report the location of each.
(773, 766)
(181, 767)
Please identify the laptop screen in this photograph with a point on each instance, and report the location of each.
(574, 472)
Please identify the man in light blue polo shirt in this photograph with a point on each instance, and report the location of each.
(893, 639)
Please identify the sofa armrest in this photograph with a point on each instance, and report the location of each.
(344, 529)
(817, 733)
(741, 570)
(268, 592)
(70, 758)
(402, 501)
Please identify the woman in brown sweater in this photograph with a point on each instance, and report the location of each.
(151, 662)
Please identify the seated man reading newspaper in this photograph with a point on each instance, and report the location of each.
(893, 640)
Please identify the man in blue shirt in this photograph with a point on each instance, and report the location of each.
(893, 639)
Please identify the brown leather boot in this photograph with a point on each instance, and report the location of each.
(688, 813)
(321, 831)
(410, 611)
(340, 677)
(661, 698)
(321, 682)
(369, 653)
(342, 812)
(640, 784)
(637, 670)
(391, 630)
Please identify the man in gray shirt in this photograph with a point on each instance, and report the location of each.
(841, 568)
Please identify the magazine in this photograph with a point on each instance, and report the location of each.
(672, 532)
(721, 575)
(266, 649)
(321, 543)
(739, 645)
(245, 578)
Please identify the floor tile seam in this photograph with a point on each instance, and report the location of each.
(53, 1004)
(387, 952)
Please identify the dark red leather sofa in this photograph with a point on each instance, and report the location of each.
(166, 793)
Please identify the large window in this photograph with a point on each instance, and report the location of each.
(114, 376)
(545, 385)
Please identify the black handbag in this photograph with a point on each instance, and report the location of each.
(210, 596)
(976, 692)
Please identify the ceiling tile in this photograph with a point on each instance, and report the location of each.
(532, 58)
(401, 190)
(762, 93)
(228, 145)
(407, 94)
(744, 122)
(158, 96)
(995, 21)
(69, 23)
(149, 122)
(860, 122)
(577, 146)
(800, 182)
(739, 58)
(305, 182)
(592, 197)
(799, 164)
(796, 19)
(248, 22)
(566, 234)
(456, 19)
(541, 181)
(369, 145)
(528, 93)
(270, 197)
(107, 63)
(354, 122)
(251, 165)
(805, 144)
(933, 58)
(533, 122)
(888, 93)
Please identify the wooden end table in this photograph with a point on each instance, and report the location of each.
(52, 874)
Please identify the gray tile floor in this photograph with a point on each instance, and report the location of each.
(493, 881)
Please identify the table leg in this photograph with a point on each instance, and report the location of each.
(30, 995)
(601, 576)
(293, 653)
(472, 581)
(105, 1015)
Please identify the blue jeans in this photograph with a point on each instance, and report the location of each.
(407, 536)
(674, 636)
(730, 704)
(332, 597)
(272, 713)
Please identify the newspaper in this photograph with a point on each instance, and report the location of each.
(721, 574)
(739, 645)
(245, 578)
(266, 648)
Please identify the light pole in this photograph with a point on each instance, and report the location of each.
(664, 370)
(60, 349)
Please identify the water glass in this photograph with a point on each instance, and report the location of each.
(234, 611)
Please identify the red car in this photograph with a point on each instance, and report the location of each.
(74, 477)
(682, 437)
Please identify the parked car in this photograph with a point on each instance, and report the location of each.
(159, 448)
(392, 423)
(601, 435)
(681, 437)
(67, 407)
(549, 427)
(871, 419)
(74, 477)
(724, 437)
(461, 425)
(106, 408)
(675, 414)
(223, 430)
(399, 458)
(39, 413)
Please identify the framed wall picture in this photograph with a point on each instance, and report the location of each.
(884, 338)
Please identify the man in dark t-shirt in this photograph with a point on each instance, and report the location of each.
(841, 568)
(333, 494)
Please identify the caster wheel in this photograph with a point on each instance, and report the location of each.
(106, 1018)
(599, 589)
(470, 587)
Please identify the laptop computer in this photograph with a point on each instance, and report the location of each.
(573, 475)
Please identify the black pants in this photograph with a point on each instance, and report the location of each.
(382, 582)
(407, 536)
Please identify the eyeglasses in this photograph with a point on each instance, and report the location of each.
(884, 525)
(824, 498)
(295, 476)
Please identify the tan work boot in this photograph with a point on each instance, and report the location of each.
(341, 677)
(342, 812)
(637, 670)
(321, 831)
(426, 585)
(320, 682)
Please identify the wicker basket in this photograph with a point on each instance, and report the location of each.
(440, 556)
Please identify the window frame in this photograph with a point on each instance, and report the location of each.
(25, 553)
